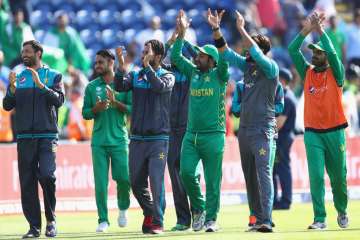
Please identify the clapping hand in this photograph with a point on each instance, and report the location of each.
(36, 78)
(12, 78)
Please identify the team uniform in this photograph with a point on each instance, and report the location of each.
(282, 160)
(149, 140)
(37, 136)
(253, 192)
(257, 127)
(324, 125)
(109, 145)
(178, 122)
(205, 133)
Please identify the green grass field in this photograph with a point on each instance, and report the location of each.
(232, 219)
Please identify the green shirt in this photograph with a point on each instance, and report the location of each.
(302, 65)
(109, 125)
(207, 93)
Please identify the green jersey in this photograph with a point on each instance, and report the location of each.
(109, 125)
(207, 93)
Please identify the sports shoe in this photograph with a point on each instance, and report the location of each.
(180, 227)
(102, 227)
(32, 233)
(122, 219)
(254, 228)
(317, 226)
(265, 228)
(51, 230)
(252, 220)
(211, 226)
(343, 220)
(147, 224)
(198, 221)
(157, 229)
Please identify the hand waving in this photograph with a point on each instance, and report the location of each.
(214, 19)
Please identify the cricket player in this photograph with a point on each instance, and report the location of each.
(178, 123)
(36, 94)
(254, 204)
(324, 120)
(151, 89)
(205, 133)
(257, 125)
(109, 142)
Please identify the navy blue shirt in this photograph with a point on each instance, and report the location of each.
(290, 112)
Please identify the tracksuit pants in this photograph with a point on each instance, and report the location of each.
(36, 164)
(282, 170)
(257, 153)
(327, 150)
(209, 147)
(147, 160)
(117, 157)
(181, 202)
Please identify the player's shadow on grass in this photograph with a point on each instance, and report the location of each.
(236, 230)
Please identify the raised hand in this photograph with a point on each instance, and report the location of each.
(240, 21)
(12, 78)
(214, 19)
(120, 57)
(317, 20)
(35, 77)
(183, 22)
(173, 36)
(148, 57)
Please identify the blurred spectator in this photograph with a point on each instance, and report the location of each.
(326, 6)
(153, 32)
(132, 51)
(353, 40)
(71, 123)
(16, 32)
(350, 102)
(65, 37)
(270, 15)
(24, 5)
(4, 18)
(337, 37)
(5, 119)
(292, 11)
(4, 72)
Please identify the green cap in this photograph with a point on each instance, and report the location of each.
(210, 50)
(317, 46)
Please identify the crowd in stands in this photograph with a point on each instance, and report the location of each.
(72, 31)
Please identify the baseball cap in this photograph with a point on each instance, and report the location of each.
(317, 46)
(210, 50)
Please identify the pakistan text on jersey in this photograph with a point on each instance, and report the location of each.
(203, 92)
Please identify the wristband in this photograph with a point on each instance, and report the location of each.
(219, 43)
(216, 29)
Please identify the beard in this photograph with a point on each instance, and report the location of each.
(29, 61)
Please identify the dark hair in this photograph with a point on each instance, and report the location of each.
(157, 47)
(263, 42)
(106, 54)
(35, 45)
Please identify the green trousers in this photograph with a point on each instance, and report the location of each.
(209, 147)
(327, 150)
(102, 157)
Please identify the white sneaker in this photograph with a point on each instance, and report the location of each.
(102, 227)
(211, 226)
(122, 219)
(343, 220)
(198, 221)
(317, 226)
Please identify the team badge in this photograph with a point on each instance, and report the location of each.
(262, 152)
(161, 156)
